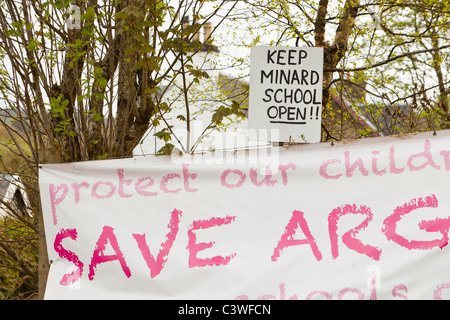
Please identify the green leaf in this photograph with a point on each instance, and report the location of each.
(163, 135)
(103, 156)
(97, 117)
(101, 82)
(166, 150)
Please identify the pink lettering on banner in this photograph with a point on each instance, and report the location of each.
(287, 239)
(397, 288)
(375, 169)
(76, 189)
(141, 187)
(235, 178)
(372, 285)
(415, 162)
(327, 295)
(194, 247)
(106, 189)
(267, 297)
(283, 168)
(55, 199)
(446, 155)
(398, 291)
(157, 265)
(225, 174)
(392, 166)
(426, 154)
(267, 178)
(109, 194)
(350, 167)
(349, 237)
(122, 182)
(437, 225)
(186, 177)
(324, 169)
(166, 179)
(344, 291)
(282, 288)
(69, 255)
(99, 257)
(283, 293)
(437, 294)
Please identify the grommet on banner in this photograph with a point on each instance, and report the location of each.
(434, 133)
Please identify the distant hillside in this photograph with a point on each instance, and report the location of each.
(9, 161)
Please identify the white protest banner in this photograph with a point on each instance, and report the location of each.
(286, 91)
(367, 219)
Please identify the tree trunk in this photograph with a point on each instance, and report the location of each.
(335, 52)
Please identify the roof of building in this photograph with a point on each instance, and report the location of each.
(12, 192)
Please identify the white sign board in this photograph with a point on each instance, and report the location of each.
(286, 92)
(362, 220)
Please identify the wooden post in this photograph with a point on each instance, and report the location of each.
(46, 155)
(44, 265)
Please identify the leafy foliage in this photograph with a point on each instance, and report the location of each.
(19, 252)
(379, 57)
